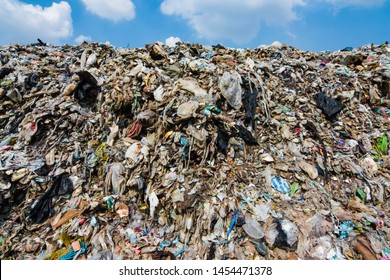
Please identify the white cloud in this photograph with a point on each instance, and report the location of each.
(24, 23)
(171, 41)
(115, 10)
(240, 21)
(230, 19)
(82, 38)
(291, 34)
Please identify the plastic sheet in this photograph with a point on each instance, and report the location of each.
(42, 208)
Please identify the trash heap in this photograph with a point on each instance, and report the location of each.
(194, 152)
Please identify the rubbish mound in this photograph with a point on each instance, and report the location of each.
(194, 152)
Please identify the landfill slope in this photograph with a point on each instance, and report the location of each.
(194, 152)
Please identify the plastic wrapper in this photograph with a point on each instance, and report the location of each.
(253, 228)
(230, 85)
(42, 208)
(329, 106)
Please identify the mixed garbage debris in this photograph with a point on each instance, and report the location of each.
(194, 152)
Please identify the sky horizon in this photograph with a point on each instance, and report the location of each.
(311, 25)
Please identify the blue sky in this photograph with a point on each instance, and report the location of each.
(313, 25)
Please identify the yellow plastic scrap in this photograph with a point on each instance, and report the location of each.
(143, 207)
(169, 133)
(65, 239)
(102, 153)
(57, 254)
(147, 79)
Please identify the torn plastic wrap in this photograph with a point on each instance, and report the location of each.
(329, 106)
(42, 208)
(249, 101)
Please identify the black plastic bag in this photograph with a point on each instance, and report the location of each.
(5, 71)
(312, 128)
(329, 106)
(244, 134)
(43, 170)
(222, 138)
(87, 89)
(249, 101)
(281, 238)
(30, 81)
(43, 209)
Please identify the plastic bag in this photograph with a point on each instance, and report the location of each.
(115, 178)
(222, 138)
(245, 135)
(281, 233)
(253, 228)
(329, 106)
(249, 102)
(187, 109)
(280, 184)
(42, 208)
(153, 201)
(30, 81)
(231, 89)
(191, 85)
(291, 231)
(262, 211)
(317, 226)
(323, 247)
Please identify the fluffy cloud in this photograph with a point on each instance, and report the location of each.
(24, 23)
(82, 38)
(230, 19)
(171, 41)
(240, 21)
(115, 10)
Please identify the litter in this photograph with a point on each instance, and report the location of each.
(194, 152)
(280, 184)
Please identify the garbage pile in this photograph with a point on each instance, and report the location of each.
(194, 152)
